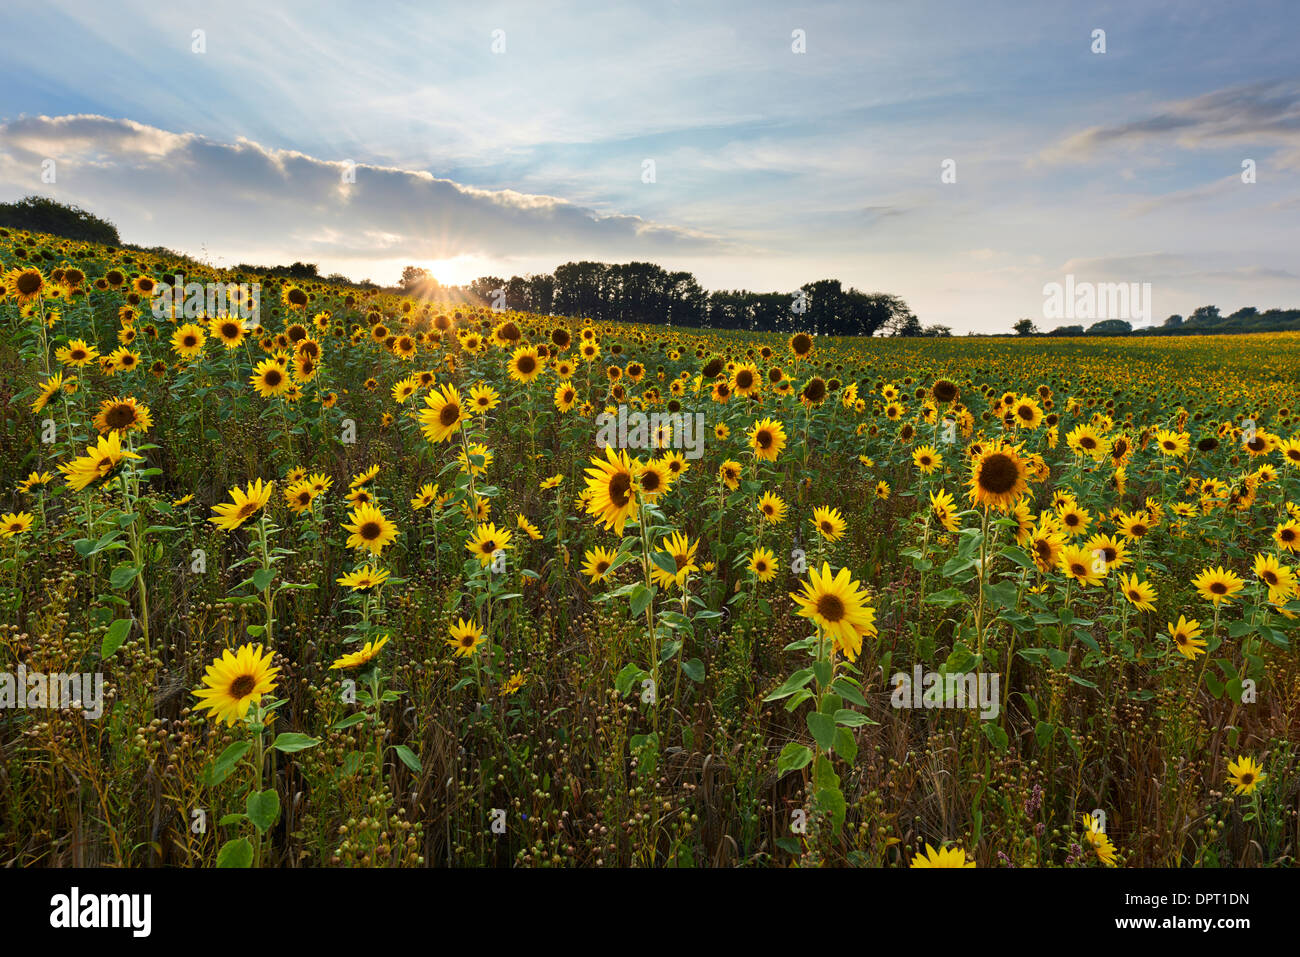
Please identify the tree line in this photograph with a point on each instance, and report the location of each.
(646, 292)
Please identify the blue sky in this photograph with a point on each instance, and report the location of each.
(772, 168)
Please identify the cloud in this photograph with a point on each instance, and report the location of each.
(186, 190)
(1259, 114)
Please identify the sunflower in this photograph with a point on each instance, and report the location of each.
(236, 681)
(357, 659)
(123, 415)
(652, 479)
(882, 490)
(1139, 593)
(998, 478)
(773, 508)
(1074, 520)
(1076, 563)
(597, 563)
(299, 496)
(1245, 774)
(1173, 443)
(746, 381)
(270, 379)
(443, 414)
(944, 857)
(229, 331)
(15, 523)
(1217, 585)
(465, 638)
(829, 522)
(477, 461)
(1101, 845)
(1287, 536)
(512, 684)
(48, 389)
(729, 473)
(364, 579)
(763, 564)
(525, 365)
(370, 529)
(24, 284)
(1025, 413)
(813, 392)
(944, 510)
(485, 541)
(188, 340)
(927, 459)
(1085, 440)
(99, 462)
(483, 398)
(425, 496)
(77, 354)
(228, 516)
(679, 555)
(801, 344)
(1112, 553)
(566, 396)
(34, 480)
(529, 529)
(767, 439)
(1046, 544)
(612, 489)
(839, 607)
(1187, 637)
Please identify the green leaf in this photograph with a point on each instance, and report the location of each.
(291, 741)
(349, 721)
(262, 578)
(852, 719)
(408, 758)
(997, 737)
(115, 637)
(694, 669)
(236, 853)
(846, 746)
(793, 757)
(225, 763)
(263, 809)
(122, 576)
(791, 685)
(641, 599)
(822, 727)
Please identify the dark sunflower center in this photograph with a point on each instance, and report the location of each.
(449, 414)
(1218, 588)
(229, 330)
(370, 531)
(999, 474)
(273, 377)
(831, 608)
(619, 488)
(744, 379)
(242, 686)
(120, 416)
(650, 481)
(763, 438)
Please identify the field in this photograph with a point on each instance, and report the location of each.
(365, 589)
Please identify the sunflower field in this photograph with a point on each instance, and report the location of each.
(370, 581)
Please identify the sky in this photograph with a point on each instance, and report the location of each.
(508, 138)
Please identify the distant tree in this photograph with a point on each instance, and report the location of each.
(1025, 327)
(42, 215)
(1173, 322)
(1110, 327)
(937, 332)
(1203, 316)
(1066, 331)
(414, 277)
